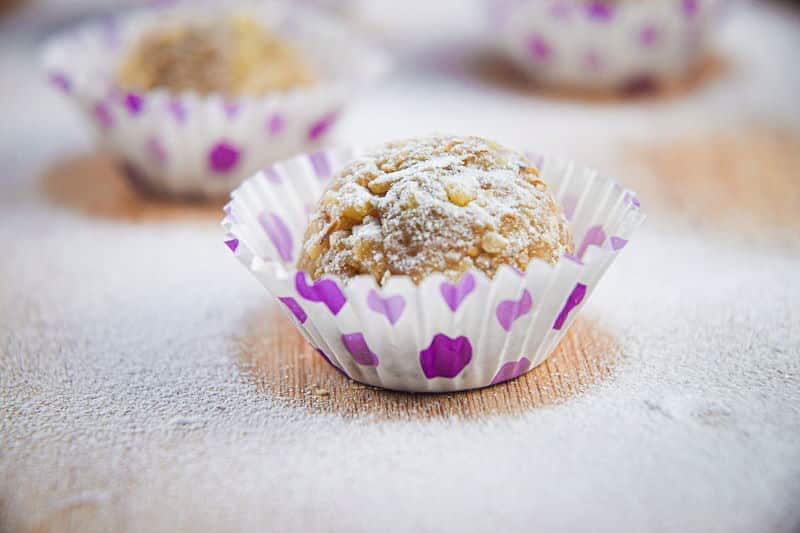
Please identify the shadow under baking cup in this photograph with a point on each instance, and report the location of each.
(496, 70)
(276, 357)
(96, 185)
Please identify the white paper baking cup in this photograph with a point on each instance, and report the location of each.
(438, 336)
(595, 44)
(191, 145)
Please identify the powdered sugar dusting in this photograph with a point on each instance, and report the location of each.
(125, 404)
(145, 399)
(434, 204)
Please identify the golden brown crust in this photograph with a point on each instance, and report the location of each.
(235, 57)
(438, 204)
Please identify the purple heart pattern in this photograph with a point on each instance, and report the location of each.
(295, 308)
(511, 370)
(595, 236)
(324, 290)
(356, 344)
(278, 233)
(454, 294)
(445, 357)
(508, 311)
(391, 306)
(573, 300)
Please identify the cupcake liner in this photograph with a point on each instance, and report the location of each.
(597, 44)
(200, 146)
(438, 336)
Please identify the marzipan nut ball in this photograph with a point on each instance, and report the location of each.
(435, 204)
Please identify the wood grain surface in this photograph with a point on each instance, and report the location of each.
(146, 387)
(711, 180)
(744, 181)
(283, 364)
(94, 185)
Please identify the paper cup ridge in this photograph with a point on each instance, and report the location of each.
(438, 336)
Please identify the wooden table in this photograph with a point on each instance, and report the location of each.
(148, 384)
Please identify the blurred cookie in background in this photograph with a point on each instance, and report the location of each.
(237, 56)
(622, 47)
(192, 101)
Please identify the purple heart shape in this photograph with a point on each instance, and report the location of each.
(134, 103)
(560, 10)
(572, 258)
(231, 109)
(177, 110)
(272, 175)
(295, 308)
(445, 357)
(574, 298)
(156, 151)
(324, 290)
(391, 307)
(568, 205)
(321, 165)
(631, 199)
(60, 81)
(233, 244)
(618, 243)
(599, 10)
(275, 124)
(538, 48)
(103, 115)
(594, 236)
(356, 344)
(508, 311)
(223, 157)
(278, 233)
(455, 294)
(228, 209)
(511, 370)
(110, 31)
(321, 126)
(648, 35)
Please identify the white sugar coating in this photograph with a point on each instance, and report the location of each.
(125, 403)
(441, 203)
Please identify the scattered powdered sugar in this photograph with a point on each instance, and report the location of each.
(124, 404)
(434, 204)
(121, 379)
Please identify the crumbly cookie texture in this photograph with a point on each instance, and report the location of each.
(435, 204)
(234, 57)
